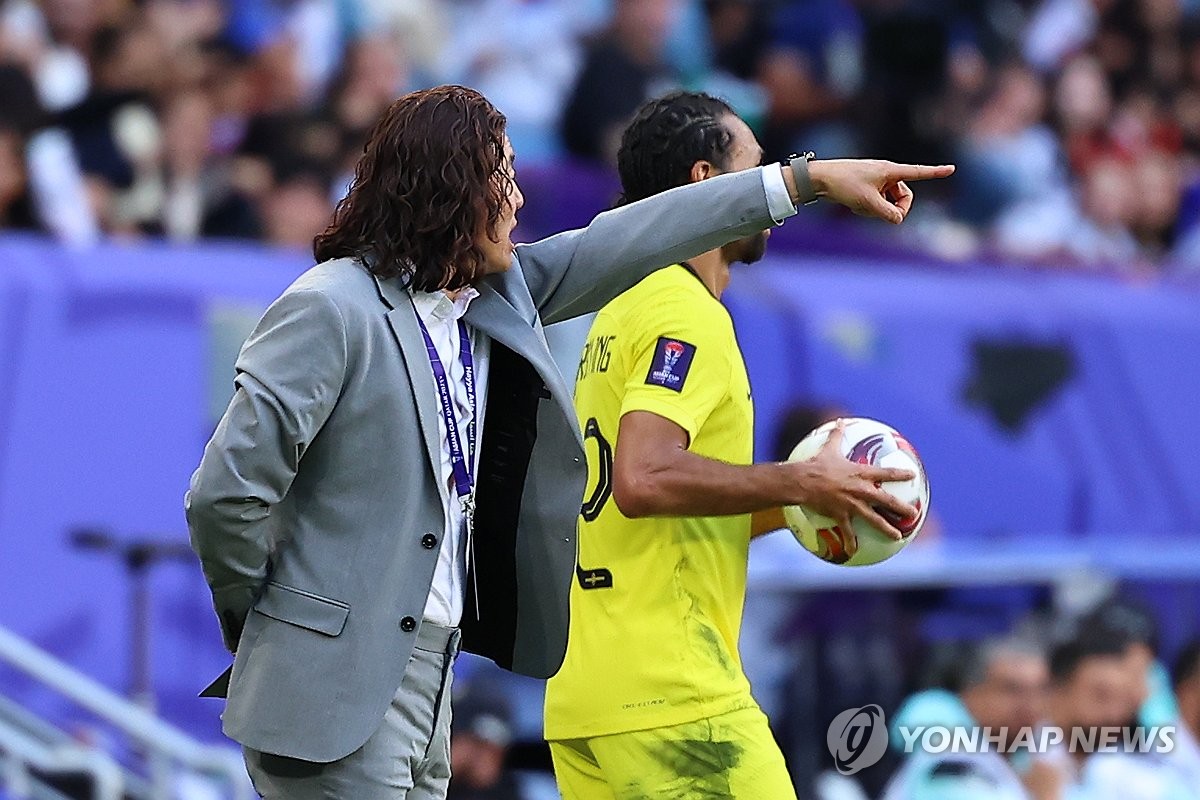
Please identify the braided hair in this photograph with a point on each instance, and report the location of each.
(667, 137)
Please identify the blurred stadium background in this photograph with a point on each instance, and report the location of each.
(1033, 328)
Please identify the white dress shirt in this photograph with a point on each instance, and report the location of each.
(779, 202)
(440, 315)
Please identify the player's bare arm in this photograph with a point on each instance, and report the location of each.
(654, 474)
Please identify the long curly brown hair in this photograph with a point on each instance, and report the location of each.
(430, 179)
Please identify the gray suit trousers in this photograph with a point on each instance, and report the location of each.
(406, 758)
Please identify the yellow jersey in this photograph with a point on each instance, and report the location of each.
(656, 606)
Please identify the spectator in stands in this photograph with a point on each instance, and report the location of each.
(229, 84)
(1186, 103)
(300, 148)
(1087, 230)
(1157, 698)
(1101, 234)
(16, 206)
(621, 69)
(1140, 124)
(907, 55)
(187, 146)
(1003, 686)
(22, 116)
(1058, 29)
(114, 129)
(1091, 224)
(376, 70)
(739, 31)
(302, 43)
(1009, 155)
(297, 208)
(1092, 689)
(480, 737)
(1083, 105)
(524, 55)
(18, 97)
(185, 27)
(279, 86)
(53, 40)
(416, 30)
(1157, 185)
(374, 73)
(201, 192)
(1149, 682)
(1185, 759)
(812, 70)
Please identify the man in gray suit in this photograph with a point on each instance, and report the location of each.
(400, 469)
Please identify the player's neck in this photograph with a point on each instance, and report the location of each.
(713, 270)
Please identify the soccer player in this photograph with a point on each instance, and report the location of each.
(651, 700)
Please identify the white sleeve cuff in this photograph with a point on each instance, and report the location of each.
(779, 202)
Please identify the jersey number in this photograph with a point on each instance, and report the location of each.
(598, 578)
(604, 472)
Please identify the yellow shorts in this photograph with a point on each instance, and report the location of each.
(732, 755)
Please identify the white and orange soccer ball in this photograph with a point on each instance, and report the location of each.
(866, 441)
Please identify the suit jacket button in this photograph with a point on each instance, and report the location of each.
(429, 541)
(408, 624)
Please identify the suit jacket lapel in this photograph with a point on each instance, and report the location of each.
(402, 318)
(495, 316)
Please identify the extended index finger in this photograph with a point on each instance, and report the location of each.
(919, 172)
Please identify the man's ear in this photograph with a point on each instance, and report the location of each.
(702, 170)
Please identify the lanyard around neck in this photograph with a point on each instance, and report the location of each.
(462, 461)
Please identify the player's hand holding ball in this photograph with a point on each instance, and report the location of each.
(866, 493)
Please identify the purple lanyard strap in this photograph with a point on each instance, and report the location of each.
(462, 463)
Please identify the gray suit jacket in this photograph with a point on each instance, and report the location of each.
(313, 497)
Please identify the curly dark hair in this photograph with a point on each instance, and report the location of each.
(431, 177)
(667, 137)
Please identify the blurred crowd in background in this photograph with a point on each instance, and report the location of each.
(1103, 669)
(1075, 123)
(1104, 665)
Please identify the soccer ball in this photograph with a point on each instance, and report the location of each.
(867, 442)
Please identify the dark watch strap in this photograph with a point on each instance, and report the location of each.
(804, 187)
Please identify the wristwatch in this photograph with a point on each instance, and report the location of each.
(806, 195)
